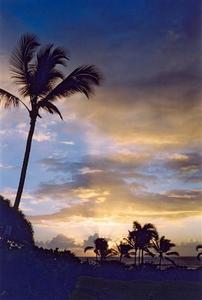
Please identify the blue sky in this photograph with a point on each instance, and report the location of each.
(133, 151)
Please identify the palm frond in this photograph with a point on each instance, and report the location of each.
(81, 80)
(199, 255)
(172, 261)
(156, 236)
(156, 247)
(45, 73)
(162, 239)
(133, 253)
(123, 248)
(149, 252)
(198, 247)
(165, 244)
(149, 226)
(8, 100)
(88, 248)
(127, 255)
(127, 240)
(96, 251)
(111, 252)
(136, 225)
(118, 247)
(51, 108)
(20, 62)
(59, 56)
(172, 253)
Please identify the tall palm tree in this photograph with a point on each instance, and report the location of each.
(39, 76)
(163, 246)
(141, 238)
(101, 249)
(200, 253)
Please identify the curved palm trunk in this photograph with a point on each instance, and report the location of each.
(25, 163)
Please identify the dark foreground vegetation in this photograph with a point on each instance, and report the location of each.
(29, 272)
(98, 288)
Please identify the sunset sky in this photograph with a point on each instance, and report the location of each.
(131, 152)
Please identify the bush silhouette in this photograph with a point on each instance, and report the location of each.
(14, 227)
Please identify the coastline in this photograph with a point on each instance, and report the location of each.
(186, 262)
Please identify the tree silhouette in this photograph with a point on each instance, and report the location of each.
(131, 241)
(163, 246)
(39, 75)
(101, 249)
(124, 250)
(15, 230)
(140, 239)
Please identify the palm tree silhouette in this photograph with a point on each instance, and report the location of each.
(140, 238)
(40, 78)
(123, 250)
(101, 249)
(163, 246)
(200, 253)
(131, 241)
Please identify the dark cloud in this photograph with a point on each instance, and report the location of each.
(190, 77)
(60, 241)
(122, 162)
(186, 166)
(148, 88)
(185, 161)
(90, 240)
(95, 187)
(195, 178)
(173, 203)
(185, 194)
(131, 37)
(96, 194)
(94, 170)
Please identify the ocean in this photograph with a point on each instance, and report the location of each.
(190, 262)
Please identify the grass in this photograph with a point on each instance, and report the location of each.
(89, 288)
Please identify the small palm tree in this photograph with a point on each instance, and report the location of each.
(163, 246)
(140, 238)
(200, 253)
(40, 79)
(101, 249)
(131, 241)
(123, 250)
